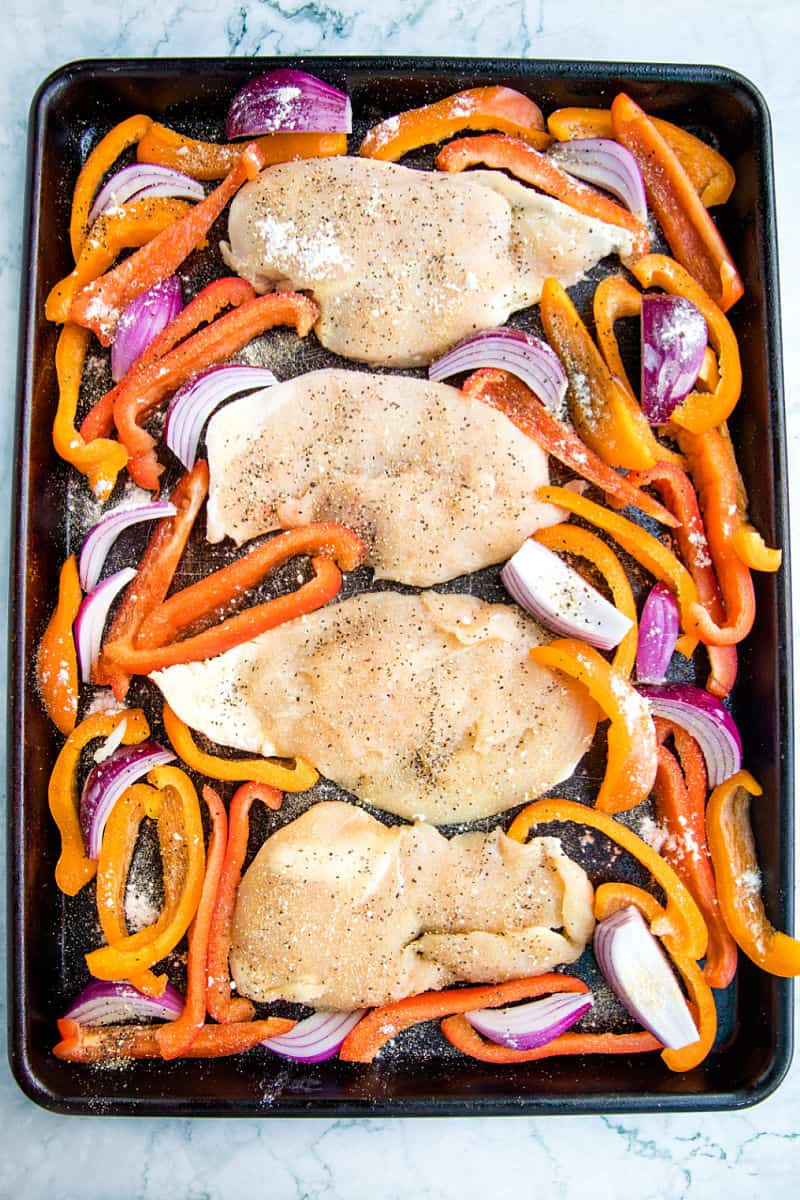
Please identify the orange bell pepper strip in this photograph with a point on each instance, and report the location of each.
(631, 764)
(573, 540)
(121, 228)
(99, 162)
(100, 459)
(465, 1038)
(604, 412)
(112, 1043)
(501, 152)
(754, 551)
(147, 389)
(733, 853)
(56, 658)
(74, 869)
(682, 928)
(99, 305)
(511, 396)
(689, 230)
(298, 778)
(213, 160)
(382, 1024)
(712, 175)
(219, 1002)
(129, 957)
(175, 1037)
(477, 108)
(701, 410)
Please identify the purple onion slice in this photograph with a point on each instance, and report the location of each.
(513, 350)
(194, 403)
(288, 101)
(674, 340)
(317, 1038)
(91, 619)
(658, 632)
(112, 1003)
(527, 1026)
(105, 532)
(607, 165)
(142, 321)
(708, 721)
(107, 781)
(139, 179)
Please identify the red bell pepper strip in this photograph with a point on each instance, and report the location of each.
(112, 1043)
(99, 162)
(500, 152)
(688, 228)
(219, 1002)
(465, 1038)
(213, 160)
(56, 658)
(99, 305)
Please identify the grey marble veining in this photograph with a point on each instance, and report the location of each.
(734, 1155)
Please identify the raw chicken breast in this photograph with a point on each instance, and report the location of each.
(404, 263)
(436, 483)
(427, 706)
(341, 912)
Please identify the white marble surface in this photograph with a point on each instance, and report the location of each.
(732, 1155)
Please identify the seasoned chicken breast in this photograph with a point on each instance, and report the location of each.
(428, 706)
(436, 483)
(341, 912)
(405, 263)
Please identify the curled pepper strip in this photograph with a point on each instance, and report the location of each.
(632, 758)
(213, 160)
(465, 1038)
(104, 1043)
(298, 778)
(73, 868)
(56, 658)
(754, 551)
(682, 929)
(99, 162)
(733, 853)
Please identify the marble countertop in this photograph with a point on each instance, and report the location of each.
(629, 1158)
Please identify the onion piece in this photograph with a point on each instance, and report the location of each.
(674, 340)
(708, 721)
(639, 974)
(106, 782)
(105, 532)
(554, 593)
(140, 179)
(112, 742)
(526, 1026)
(91, 619)
(288, 101)
(107, 1003)
(658, 633)
(142, 321)
(194, 403)
(317, 1038)
(607, 165)
(526, 356)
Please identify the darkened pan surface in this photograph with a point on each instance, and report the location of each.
(424, 1076)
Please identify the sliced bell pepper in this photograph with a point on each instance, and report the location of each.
(689, 230)
(99, 305)
(712, 175)
(701, 410)
(733, 853)
(572, 539)
(57, 659)
(754, 551)
(465, 1038)
(525, 162)
(631, 763)
(111, 1043)
(73, 868)
(99, 162)
(477, 108)
(298, 778)
(99, 459)
(382, 1024)
(213, 160)
(219, 1002)
(511, 396)
(146, 390)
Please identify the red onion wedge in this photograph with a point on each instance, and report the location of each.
(674, 340)
(526, 356)
(106, 782)
(708, 721)
(317, 1038)
(144, 179)
(658, 633)
(639, 974)
(526, 1026)
(111, 743)
(105, 532)
(288, 101)
(91, 619)
(194, 403)
(107, 1003)
(554, 593)
(607, 165)
(142, 321)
